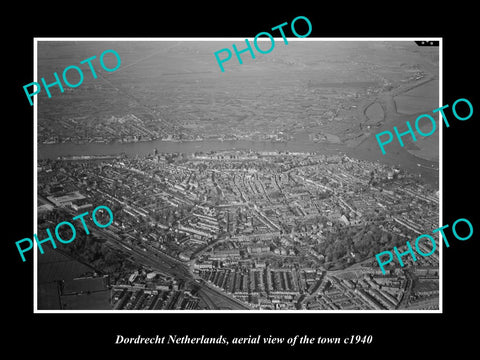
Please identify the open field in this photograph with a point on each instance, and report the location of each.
(422, 99)
(176, 89)
(375, 113)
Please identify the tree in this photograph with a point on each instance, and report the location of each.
(111, 258)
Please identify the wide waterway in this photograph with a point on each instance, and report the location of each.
(299, 144)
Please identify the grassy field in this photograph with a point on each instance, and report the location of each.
(55, 267)
(422, 99)
(375, 113)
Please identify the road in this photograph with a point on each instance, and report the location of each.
(406, 295)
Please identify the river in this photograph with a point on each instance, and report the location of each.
(301, 143)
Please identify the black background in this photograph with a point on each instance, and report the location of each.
(92, 334)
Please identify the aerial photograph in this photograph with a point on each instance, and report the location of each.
(259, 188)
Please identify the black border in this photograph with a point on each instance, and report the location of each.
(409, 334)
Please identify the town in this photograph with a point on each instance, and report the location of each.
(246, 230)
